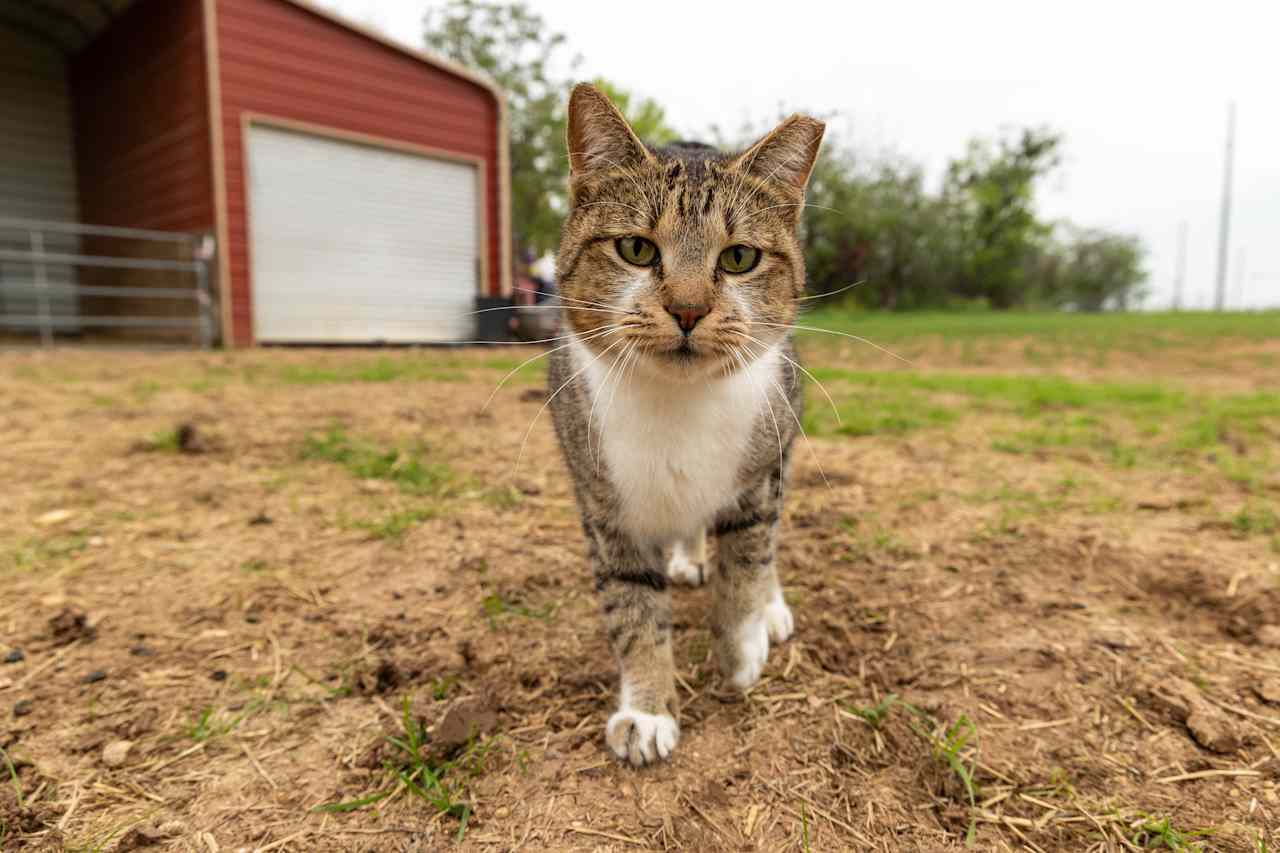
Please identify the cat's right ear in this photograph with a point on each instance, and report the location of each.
(599, 137)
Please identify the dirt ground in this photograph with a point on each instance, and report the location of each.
(303, 600)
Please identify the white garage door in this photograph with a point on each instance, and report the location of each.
(357, 244)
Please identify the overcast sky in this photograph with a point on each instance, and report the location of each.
(1140, 90)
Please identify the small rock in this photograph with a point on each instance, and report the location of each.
(502, 812)
(252, 617)
(260, 519)
(464, 723)
(96, 542)
(189, 440)
(1210, 731)
(1268, 691)
(218, 675)
(56, 516)
(116, 753)
(15, 656)
(94, 677)
(142, 651)
(22, 707)
(528, 487)
(1269, 636)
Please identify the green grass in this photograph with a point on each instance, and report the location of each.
(210, 725)
(1161, 834)
(416, 368)
(395, 525)
(1133, 332)
(496, 607)
(368, 461)
(875, 715)
(423, 773)
(39, 553)
(1254, 519)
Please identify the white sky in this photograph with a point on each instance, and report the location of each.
(1138, 87)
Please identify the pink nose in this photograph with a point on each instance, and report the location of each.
(688, 315)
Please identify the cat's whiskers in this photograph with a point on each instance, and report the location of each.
(564, 298)
(617, 203)
(799, 426)
(798, 366)
(833, 292)
(624, 376)
(598, 333)
(794, 204)
(871, 344)
(528, 432)
(599, 392)
(764, 394)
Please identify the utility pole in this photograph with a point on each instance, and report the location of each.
(1180, 275)
(1240, 279)
(1224, 217)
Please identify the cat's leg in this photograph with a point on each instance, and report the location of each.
(748, 610)
(688, 563)
(637, 616)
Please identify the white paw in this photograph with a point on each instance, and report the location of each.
(641, 738)
(753, 652)
(684, 570)
(777, 615)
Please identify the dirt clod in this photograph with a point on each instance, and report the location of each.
(15, 656)
(94, 677)
(23, 707)
(1268, 691)
(70, 625)
(463, 723)
(1212, 731)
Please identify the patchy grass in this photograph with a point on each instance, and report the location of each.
(368, 461)
(396, 524)
(496, 608)
(427, 775)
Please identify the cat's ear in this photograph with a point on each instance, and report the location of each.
(787, 153)
(599, 137)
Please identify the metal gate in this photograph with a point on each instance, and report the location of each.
(62, 279)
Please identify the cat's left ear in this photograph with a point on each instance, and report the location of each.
(787, 153)
(599, 137)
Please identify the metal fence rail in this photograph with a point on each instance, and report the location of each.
(39, 258)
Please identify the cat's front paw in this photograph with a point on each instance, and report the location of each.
(685, 569)
(750, 649)
(642, 738)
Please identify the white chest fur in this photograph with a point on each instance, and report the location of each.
(674, 450)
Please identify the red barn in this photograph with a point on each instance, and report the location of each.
(356, 190)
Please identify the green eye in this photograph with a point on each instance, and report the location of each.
(739, 259)
(637, 250)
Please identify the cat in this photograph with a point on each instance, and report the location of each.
(677, 396)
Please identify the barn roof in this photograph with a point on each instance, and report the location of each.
(67, 25)
(423, 56)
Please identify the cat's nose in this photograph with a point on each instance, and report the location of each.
(687, 316)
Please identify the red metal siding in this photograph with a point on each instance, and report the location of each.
(141, 118)
(281, 60)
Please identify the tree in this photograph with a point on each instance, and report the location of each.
(511, 43)
(995, 186)
(1092, 270)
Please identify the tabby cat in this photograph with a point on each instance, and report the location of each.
(677, 396)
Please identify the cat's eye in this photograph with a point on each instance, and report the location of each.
(739, 259)
(637, 250)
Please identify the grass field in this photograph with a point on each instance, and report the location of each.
(301, 600)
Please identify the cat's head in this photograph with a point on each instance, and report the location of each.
(685, 257)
